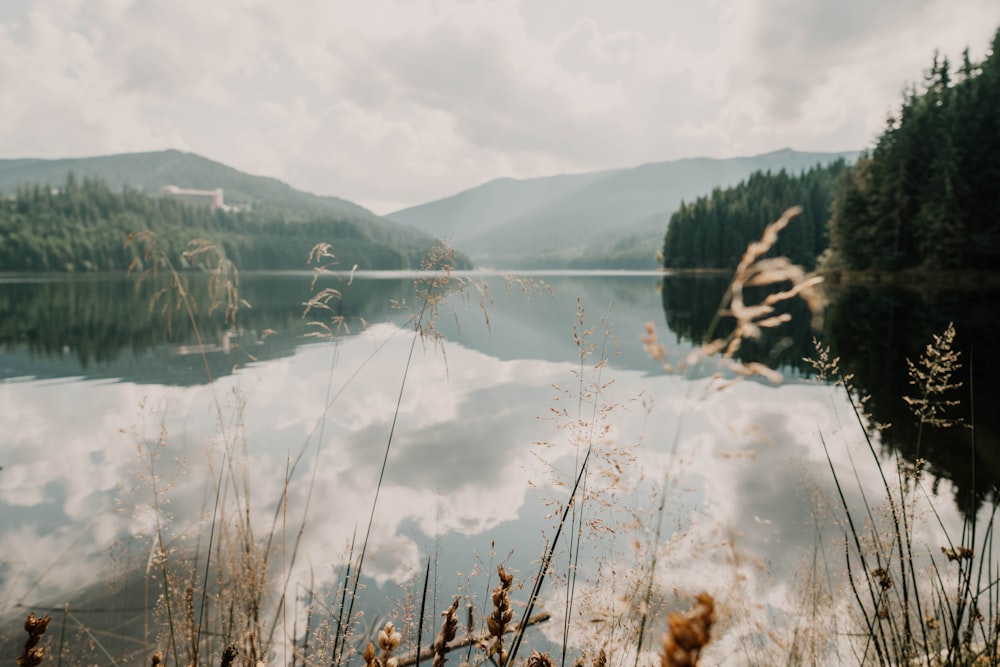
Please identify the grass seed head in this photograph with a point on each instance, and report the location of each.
(369, 655)
(537, 659)
(33, 653)
(448, 629)
(502, 614)
(689, 633)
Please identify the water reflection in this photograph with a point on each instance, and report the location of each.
(744, 466)
(115, 327)
(691, 304)
(875, 331)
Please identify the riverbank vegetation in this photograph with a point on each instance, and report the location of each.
(924, 199)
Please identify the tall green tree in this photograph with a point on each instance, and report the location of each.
(928, 195)
(713, 231)
(83, 227)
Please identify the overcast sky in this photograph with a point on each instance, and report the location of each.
(390, 103)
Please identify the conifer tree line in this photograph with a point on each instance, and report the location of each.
(713, 231)
(83, 227)
(926, 197)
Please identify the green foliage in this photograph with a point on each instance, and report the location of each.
(714, 231)
(83, 227)
(927, 196)
(150, 171)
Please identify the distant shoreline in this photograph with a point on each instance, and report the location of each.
(921, 279)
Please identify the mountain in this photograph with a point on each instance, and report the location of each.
(613, 219)
(150, 171)
(266, 199)
(481, 208)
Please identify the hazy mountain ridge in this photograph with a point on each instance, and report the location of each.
(480, 208)
(603, 219)
(264, 201)
(608, 220)
(150, 171)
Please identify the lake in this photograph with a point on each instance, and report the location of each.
(118, 426)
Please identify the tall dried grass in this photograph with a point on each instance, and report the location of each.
(248, 637)
(223, 598)
(213, 586)
(914, 605)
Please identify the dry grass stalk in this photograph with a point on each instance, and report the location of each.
(223, 281)
(502, 614)
(229, 655)
(324, 259)
(895, 573)
(33, 653)
(537, 659)
(233, 553)
(369, 656)
(437, 288)
(585, 415)
(751, 318)
(223, 277)
(448, 629)
(481, 640)
(689, 633)
(931, 376)
(388, 640)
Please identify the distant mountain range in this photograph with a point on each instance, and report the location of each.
(266, 196)
(606, 219)
(150, 171)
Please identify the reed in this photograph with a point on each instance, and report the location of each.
(447, 634)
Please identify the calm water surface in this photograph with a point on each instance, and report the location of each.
(93, 378)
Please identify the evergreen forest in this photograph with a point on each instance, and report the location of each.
(84, 226)
(713, 231)
(926, 197)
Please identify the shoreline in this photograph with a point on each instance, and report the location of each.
(916, 279)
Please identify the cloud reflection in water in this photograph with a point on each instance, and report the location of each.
(459, 470)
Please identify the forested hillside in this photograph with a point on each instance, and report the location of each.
(607, 220)
(713, 231)
(83, 227)
(150, 171)
(928, 196)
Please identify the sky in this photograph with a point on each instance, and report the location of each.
(391, 103)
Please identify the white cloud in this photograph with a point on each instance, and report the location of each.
(389, 102)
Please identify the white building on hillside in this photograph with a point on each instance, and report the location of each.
(209, 198)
